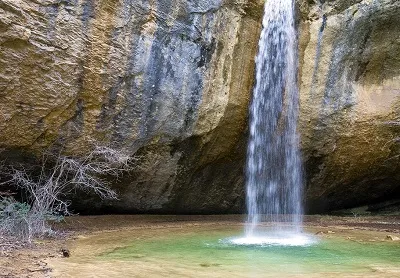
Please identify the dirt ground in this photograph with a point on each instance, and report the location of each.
(23, 260)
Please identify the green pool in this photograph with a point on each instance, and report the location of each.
(214, 252)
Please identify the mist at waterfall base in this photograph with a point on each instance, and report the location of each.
(274, 172)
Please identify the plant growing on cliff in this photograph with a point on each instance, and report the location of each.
(47, 193)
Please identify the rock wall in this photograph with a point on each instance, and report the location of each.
(170, 82)
(167, 81)
(350, 102)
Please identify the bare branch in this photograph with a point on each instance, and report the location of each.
(47, 192)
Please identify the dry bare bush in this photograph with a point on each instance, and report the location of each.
(48, 192)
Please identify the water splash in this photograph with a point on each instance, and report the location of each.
(274, 175)
(280, 239)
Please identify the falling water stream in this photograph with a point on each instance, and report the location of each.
(274, 175)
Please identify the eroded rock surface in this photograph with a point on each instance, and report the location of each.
(350, 102)
(170, 82)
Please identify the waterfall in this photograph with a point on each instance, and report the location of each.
(274, 172)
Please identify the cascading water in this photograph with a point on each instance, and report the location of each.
(274, 175)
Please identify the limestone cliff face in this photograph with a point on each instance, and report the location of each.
(170, 82)
(350, 102)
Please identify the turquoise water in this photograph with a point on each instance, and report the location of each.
(213, 250)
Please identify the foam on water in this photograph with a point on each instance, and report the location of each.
(294, 239)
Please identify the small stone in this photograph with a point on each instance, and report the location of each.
(65, 252)
(331, 232)
(392, 238)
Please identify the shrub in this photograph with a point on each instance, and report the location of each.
(47, 193)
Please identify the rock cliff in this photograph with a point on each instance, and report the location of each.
(170, 82)
(167, 81)
(350, 102)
